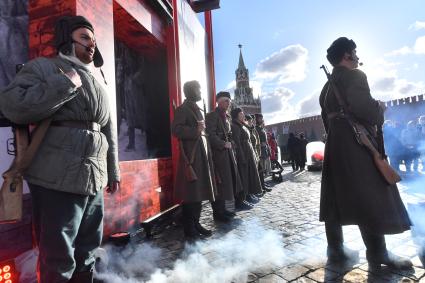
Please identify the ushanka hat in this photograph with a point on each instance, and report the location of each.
(338, 48)
(63, 40)
(223, 94)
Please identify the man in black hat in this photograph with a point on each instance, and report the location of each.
(226, 171)
(77, 159)
(353, 191)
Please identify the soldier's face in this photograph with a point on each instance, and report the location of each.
(197, 93)
(224, 103)
(241, 117)
(85, 44)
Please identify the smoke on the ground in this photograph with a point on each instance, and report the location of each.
(227, 258)
(125, 265)
(416, 208)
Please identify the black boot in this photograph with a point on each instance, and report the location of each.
(336, 251)
(243, 205)
(202, 230)
(229, 213)
(219, 211)
(189, 222)
(82, 277)
(377, 253)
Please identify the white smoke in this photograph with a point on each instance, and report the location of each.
(126, 265)
(228, 258)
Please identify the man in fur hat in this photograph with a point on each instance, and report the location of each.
(228, 180)
(353, 191)
(77, 159)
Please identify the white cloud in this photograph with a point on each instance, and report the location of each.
(385, 82)
(401, 51)
(417, 26)
(276, 101)
(309, 106)
(277, 106)
(288, 65)
(419, 47)
(230, 88)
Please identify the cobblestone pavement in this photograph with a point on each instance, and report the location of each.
(292, 211)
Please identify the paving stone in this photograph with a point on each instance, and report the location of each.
(323, 275)
(292, 272)
(356, 275)
(292, 210)
(271, 278)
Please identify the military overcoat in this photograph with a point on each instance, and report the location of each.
(353, 191)
(246, 159)
(226, 172)
(196, 149)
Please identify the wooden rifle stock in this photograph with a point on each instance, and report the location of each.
(389, 174)
(363, 137)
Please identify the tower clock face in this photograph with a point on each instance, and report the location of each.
(242, 76)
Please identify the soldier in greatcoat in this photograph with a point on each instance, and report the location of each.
(264, 150)
(77, 158)
(189, 128)
(226, 171)
(353, 191)
(246, 159)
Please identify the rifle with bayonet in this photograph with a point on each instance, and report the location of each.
(363, 137)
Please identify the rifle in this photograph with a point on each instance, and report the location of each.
(363, 137)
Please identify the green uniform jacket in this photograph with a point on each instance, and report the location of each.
(69, 159)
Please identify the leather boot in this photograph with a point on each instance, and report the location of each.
(202, 230)
(377, 253)
(188, 222)
(336, 251)
(82, 277)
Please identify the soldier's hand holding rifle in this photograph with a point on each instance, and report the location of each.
(228, 145)
(201, 126)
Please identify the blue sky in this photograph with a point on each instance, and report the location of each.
(284, 43)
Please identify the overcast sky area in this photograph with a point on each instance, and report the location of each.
(284, 44)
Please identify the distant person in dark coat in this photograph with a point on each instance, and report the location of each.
(302, 158)
(293, 145)
(353, 191)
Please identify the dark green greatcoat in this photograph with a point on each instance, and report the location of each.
(353, 191)
(226, 171)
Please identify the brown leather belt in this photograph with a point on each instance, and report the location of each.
(85, 125)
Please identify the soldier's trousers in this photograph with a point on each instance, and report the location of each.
(67, 229)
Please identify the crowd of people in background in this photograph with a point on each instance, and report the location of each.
(405, 144)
